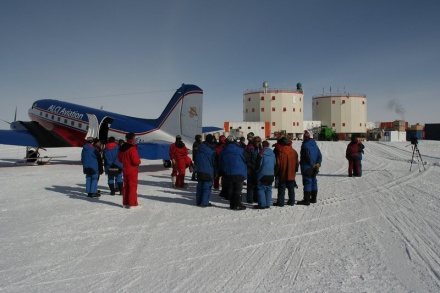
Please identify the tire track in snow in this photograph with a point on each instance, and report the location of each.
(418, 245)
(379, 204)
(305, 250)
(280, 254)
(260, 246)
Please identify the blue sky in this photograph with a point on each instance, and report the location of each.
(129, 56)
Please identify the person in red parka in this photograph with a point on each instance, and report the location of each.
(129, 157)
(182, 162)
(353, 154)
(172, 154)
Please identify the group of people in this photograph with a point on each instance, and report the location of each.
(233, 162)
(228, 162)
(119, 160)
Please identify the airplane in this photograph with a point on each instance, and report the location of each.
(56, 123)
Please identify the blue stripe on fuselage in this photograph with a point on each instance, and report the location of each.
(121, 123)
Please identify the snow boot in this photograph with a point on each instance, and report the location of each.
(314, 195)
(238, 208)
(306, 199)
(120, 186)
(112, 189)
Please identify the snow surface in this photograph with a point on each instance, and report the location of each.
(377, 233)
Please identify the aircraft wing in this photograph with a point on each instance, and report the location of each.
(207, 129)
(154, 151)
(31, 134)
(19, 137)
(160, 149)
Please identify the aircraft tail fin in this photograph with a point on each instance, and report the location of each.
(183, 114)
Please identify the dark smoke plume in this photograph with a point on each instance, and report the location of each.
(394, 106)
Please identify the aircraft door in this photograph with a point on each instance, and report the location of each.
(99, 130)
(104, 126)
(93, 126)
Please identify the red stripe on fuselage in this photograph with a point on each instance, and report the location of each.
(75, 138)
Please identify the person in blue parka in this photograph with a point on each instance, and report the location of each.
(233, 166)
(92, 166)
(112, 167)
(265, 167)
(206, 170)
(310, 162)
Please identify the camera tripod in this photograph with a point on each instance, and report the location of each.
(416, 152)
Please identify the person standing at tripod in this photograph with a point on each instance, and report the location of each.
(354, 152)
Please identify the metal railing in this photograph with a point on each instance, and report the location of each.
(339, 95)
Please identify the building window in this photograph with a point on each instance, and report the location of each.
(273, 109)
(343, 124)
(46, 115)
(87, 127)
(246, 110)
(317, 103)
(253, 110)
(284, 109)
(273, 123)
(41, 113)
(262, 109)
(239, 127)
(273, 98)
(262, 98)
(65, 121)
(53, 117)
(59, 119)
(297, 123)
(249, 127)
(262, 127)
(343, 101)
(363, 102)
(293, 123)
(299, 109)
(333, 102)
(293, 109)
(249, 99)
(79, 125)
(333, 124)
(360, 124)
(300, 99)
(72, 123)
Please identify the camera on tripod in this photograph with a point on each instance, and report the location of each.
(416, 153)
(414, 140)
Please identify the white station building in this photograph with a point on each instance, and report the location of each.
(281, 110)
(269, 112)
(345, 113)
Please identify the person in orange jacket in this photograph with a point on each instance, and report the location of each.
(287, 165)
(128, 155)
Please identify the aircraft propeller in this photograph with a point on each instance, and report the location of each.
(15, 118)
